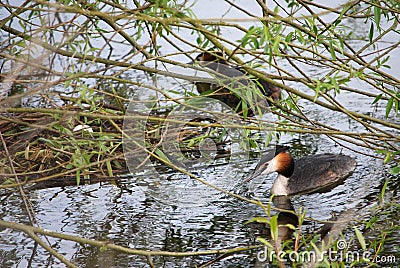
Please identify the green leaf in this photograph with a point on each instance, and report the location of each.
(275, 46)
(109, 169)
(389, 106)
(371, 222)
(377, 16)
(268, 139)
(317, 90)
(290, 226)
(274, 227)
(388, 157)
(289, 37)
(317, 249)
(371, 33)
(162, 155)
(360, 238)
(300, 37)
(174, 91)
(377, 98)
(382, 193)
(332, 50)
(265, 242)
(78, 177)
(258, 220)
(249, 35)
(315, 29)
(395, 170)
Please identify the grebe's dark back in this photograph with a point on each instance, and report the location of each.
(314, 173)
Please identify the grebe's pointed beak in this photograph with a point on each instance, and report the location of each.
(257, 171)
(263, 167)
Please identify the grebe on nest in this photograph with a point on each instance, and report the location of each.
(215, 61)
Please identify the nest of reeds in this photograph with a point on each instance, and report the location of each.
(69, 148)
(42, 147)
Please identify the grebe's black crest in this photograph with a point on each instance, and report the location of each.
(308, 174)
(211, 56)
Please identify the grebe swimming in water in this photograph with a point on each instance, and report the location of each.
(215, 60)
(308, 174)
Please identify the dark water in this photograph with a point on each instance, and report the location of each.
(173, 212)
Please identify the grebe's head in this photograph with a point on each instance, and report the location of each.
(270, 90)
(211, 56)
(274, 92)
(279, 161)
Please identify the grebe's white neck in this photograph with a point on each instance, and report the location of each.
(280, 186)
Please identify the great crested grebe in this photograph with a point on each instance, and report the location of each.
(215, 60)
(313, 173)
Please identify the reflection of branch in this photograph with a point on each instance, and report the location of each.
(8, 80)
(30, 211)
(25, 199)
(32, 234)
(104, 244)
